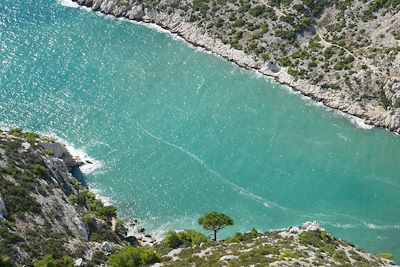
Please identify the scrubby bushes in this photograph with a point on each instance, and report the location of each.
(49, 261)
(316, 239)
(240, 237)
(385, 255)
(5, 261)
(257, 10)
(96, 206)
(18, 199)
(132, 257)
(384, 100)
(397, 102)
(185, 238)
(27, 135)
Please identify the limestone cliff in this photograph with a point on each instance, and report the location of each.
(44, 210)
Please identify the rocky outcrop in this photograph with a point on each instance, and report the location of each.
(47, 210)
(58, 150)
(370, 110)
(3, 210)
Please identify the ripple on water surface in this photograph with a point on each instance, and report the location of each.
(180, 132)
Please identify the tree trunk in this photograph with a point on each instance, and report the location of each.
(215, 235)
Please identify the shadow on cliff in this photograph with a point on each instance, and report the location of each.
(78, 174)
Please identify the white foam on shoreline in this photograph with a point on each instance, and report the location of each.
(69, 3)
(356, 121)
(90, 164)
(171, 224)
(106, 200)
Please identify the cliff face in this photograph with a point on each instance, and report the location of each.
(342, 53)
(43, 209)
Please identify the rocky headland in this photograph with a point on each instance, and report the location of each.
(45, 211)
(344, 54)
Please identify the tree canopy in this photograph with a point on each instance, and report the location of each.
(214, 221)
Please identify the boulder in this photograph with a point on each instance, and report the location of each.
(96, 5)
(107, 248)
(136, 13)
(78, 262)
(312, 226)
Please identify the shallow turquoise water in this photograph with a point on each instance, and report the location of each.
(180, 132)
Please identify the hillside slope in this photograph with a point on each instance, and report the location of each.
(44, 210)
(307, 245)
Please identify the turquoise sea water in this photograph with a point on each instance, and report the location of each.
(180, 132)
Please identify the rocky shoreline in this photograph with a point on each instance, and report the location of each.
(46, 215)
(41, 201)
(372, 113)
(134, 232)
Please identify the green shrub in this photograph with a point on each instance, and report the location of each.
(106, 212)
(240, 237)
(9, 224)
(18, 199)
(316, 239)
(239, 23)
(172, 240)
(50, 153)
(122, 3)
(73, 199)
(397, 102)
(384, 100)
(193, 237)
(285, 61)
(98, 258)
(19, 133)
(385, 255)
(265, 57)
(132, 257)
(88, 218)
(396, 35)
(15, 131)
(185, 238)
(5, 261)
(39, 169)
(257, 10)
(49, 261)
